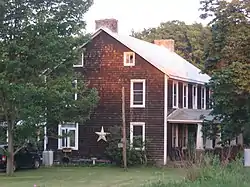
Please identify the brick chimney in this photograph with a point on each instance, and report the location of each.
(166, 43)
(111, 24)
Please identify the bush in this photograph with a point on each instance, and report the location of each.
(114, 153)
(212, 174)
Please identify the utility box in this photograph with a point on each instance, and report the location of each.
(48, 158)
(247, 157)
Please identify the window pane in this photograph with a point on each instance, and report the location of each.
(138, 99)
(72, 135)
(138, 86)
(137, 130)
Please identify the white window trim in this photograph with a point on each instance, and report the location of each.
(132, 124)
(194, 99)
(80, 65)
(124, 59)
(177, 94)
(184, 84)
(76, 136)
(204, 106)
(132, 81)
(76, 95)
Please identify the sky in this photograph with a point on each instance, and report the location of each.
(140, 14)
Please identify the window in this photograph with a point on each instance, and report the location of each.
(74, 84)
(80, 59)
(68, 133)
(185, 96)
(137, 93)
(129, 58)
(194, 96)
(137, 135)
(174, 135)
(175, 94)
(203, 97)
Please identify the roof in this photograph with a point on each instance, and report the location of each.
(188, 115)
(163, 59)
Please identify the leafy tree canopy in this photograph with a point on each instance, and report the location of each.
(190, 40)
(227, 60)
(38, 47)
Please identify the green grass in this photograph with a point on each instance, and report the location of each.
(89, 177)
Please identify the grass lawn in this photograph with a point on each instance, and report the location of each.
(88, 176)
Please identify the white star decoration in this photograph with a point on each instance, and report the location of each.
(102, 135)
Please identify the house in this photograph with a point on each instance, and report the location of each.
(165, 95)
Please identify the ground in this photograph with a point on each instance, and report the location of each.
(88, 176)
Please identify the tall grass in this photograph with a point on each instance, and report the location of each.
(211, 173)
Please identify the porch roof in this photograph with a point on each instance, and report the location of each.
(183, 115)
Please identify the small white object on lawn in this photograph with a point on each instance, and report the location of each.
(102, 135)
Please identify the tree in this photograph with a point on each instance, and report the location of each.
(227, 61)
(38, 40)
(190, 40)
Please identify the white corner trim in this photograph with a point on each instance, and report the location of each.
(131, 135)
(125, 60)
(165, 118)
(79, 65)
(185, 84)
(75, 95)
(177, 94)
(132, 81)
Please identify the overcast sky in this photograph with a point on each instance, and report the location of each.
(139, 14)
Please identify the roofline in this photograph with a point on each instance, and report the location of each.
(184, 121)
(98, 31)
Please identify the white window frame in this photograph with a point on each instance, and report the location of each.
(194, 97)
(203, 97)
(132, 124)
(82, 59)
(125, 54)
(76, 95)
(177, 94)
(132, 81)
(60, 128)
(183, 101)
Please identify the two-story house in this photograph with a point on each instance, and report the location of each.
(165, 95)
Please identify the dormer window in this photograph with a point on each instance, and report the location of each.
(80, 60)
(129, 58)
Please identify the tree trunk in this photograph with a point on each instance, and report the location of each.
(10, 157)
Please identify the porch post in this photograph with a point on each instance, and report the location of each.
(218, 139)
(199, 138)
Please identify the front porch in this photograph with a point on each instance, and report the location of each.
(185, 137)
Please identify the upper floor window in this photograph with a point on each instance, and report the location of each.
(68, 133)
(137, 135)
(203, 98)
(137, 93)
(80, 60)
(194, 96)
(129, 58)
(175, 94)
(185, 96)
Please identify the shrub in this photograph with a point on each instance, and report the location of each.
(114, 153)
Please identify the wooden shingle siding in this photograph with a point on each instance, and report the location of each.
(105, 71)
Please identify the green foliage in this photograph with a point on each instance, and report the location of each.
(230, 32)
(190, 40)
(227, 60)
(213, 174)
(114, 153)
(39, 39)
